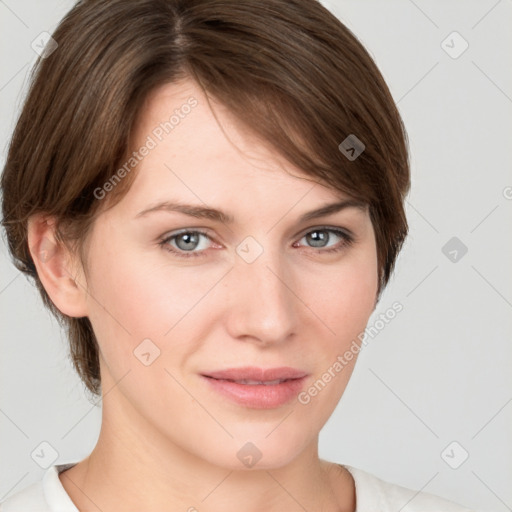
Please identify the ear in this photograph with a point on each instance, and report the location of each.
(56, 267)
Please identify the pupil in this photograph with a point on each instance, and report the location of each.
(189, 239)
(317, 236)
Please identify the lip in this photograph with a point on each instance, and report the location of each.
(257, 396)
(255, 373)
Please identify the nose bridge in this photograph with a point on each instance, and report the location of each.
(262, 306)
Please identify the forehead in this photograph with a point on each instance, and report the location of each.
(198, 152)
(181, 118)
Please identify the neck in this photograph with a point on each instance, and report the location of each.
(134, 467)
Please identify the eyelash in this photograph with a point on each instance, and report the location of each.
(347, 240)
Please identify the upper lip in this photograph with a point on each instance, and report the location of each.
(257, 374)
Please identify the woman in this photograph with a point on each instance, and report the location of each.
(209, 196)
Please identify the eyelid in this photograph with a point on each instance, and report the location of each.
(173, 234)
(348, 238)
(344, 230)
(305, 231)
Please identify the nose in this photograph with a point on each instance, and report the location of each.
(261, 305)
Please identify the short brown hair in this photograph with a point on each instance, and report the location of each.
(289, 71)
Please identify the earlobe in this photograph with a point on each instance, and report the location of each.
(54, 264)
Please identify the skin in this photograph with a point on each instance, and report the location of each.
(167, 441)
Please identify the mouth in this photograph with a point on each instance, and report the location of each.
(253, 374)
(253, 382)
(257, 388)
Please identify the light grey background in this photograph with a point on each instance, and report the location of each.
(437, 373)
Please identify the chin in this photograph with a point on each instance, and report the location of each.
(258, 449)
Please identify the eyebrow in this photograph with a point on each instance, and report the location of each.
(203, 212)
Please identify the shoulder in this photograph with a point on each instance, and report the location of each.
(45, 495)
(29, 499)
(373, 493)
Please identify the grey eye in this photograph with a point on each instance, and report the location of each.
(187, 241)
(318, 237)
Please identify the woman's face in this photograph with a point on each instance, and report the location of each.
(258, 291)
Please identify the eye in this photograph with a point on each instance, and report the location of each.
(320, 237)
(184, 243)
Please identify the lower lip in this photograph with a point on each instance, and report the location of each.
(258, 396)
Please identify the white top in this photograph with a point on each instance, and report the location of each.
(372, 495)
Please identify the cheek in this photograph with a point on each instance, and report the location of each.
(344, 297)
(135, 296)
(357, 297)
(126, 304)
(344, 303)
